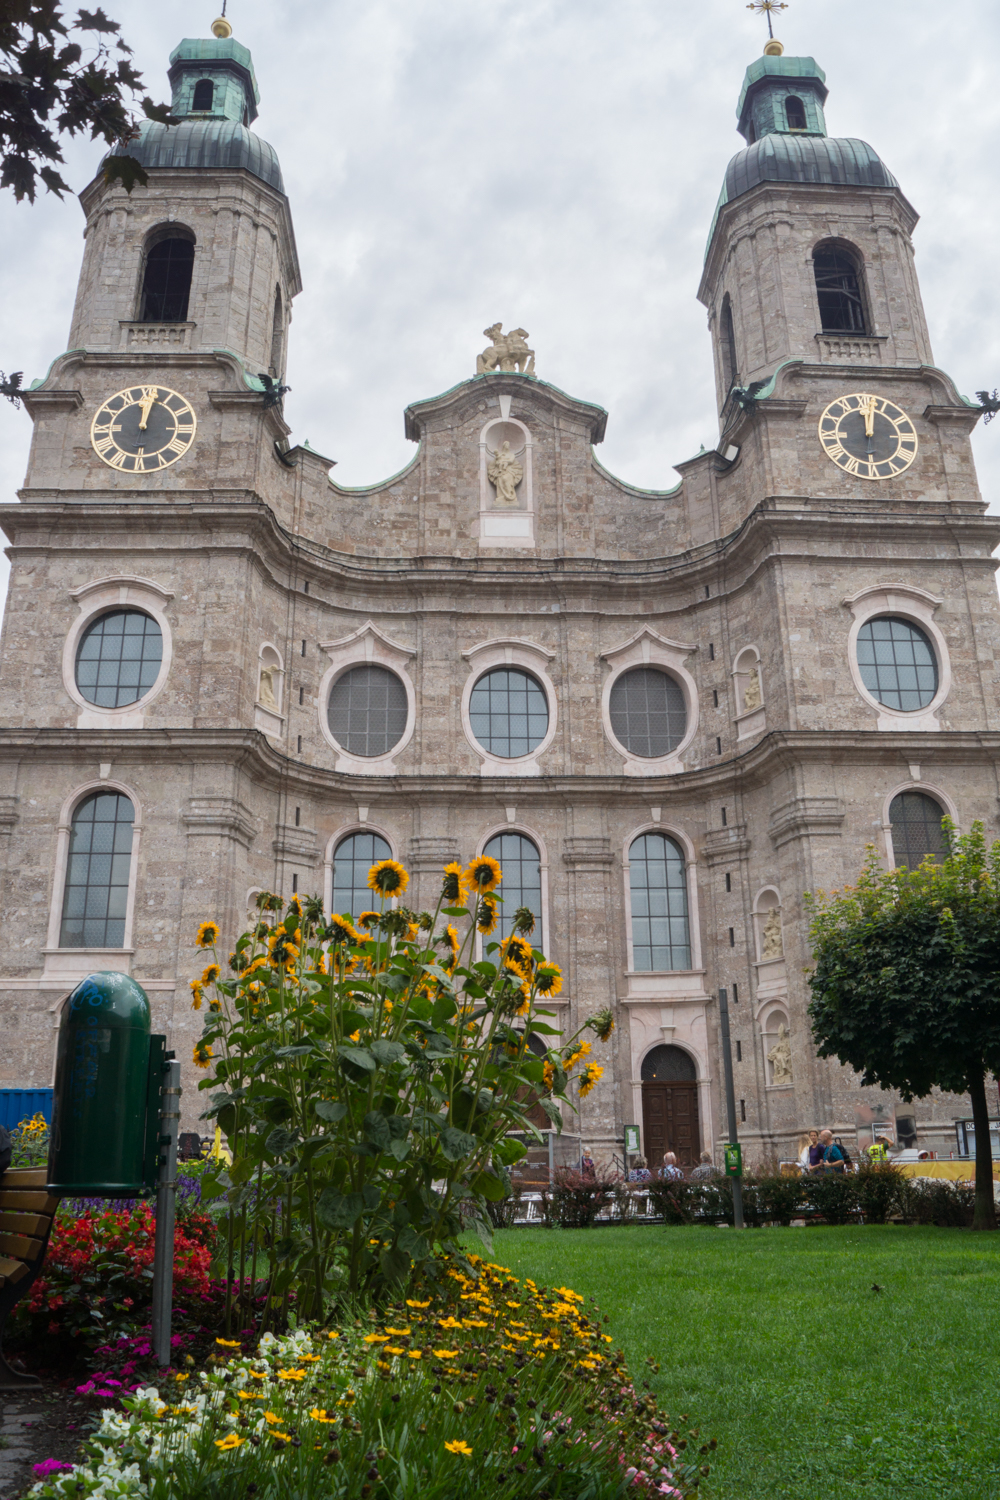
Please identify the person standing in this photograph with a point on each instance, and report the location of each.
(814, 1152)
(587, 1169)
(834, 1155)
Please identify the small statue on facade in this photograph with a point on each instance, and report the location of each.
(508, 352)
(752, 696)
(780, 1057)
(265, 690)
(506, 474)
(771, 945)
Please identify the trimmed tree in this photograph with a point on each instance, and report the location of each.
(906, 988)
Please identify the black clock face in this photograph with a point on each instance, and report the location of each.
(143, 429)
(868, 436)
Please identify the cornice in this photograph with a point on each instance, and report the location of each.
(527, 388)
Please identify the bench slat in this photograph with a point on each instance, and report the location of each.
(45, 1203)
(21, 1246)
(26, 1176)
(14, 1223)
(12, 1270)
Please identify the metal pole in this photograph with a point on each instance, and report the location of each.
(166, 1192)
(727, 1064)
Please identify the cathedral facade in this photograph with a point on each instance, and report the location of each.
(669, 714)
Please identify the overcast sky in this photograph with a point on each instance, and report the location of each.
(552, 164)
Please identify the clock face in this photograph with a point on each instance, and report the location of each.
(868, 436)
(143, 429)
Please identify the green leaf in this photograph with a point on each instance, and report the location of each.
(215, 1184)
(455, 911)
(338, 1210)
(492, 1188)
(551, 1108)
(242, 1169)
(359, 1056)
(388, 1052)
(376, 1128)
(444, 1009)
(509, 1150)
(328, 1109)
(456, 1143)
(280, 1142)
(371, 1196)
(413, 1243)
(395, 1264)
(292, 1051)
(127, 170)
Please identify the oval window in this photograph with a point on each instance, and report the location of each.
(508, 713)
(367, 711)
(897, 663)
(119, 658)
(648, 713)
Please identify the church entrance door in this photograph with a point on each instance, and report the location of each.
(670, 1123)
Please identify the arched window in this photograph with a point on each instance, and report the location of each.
(277, 335)
(204, 96)
(521, 885)
(661, 938)
(95, 897)
(915, 821)
(897, 663)
(668, 1065)
(728, 345)
(118, 658)
(795, 112)
(367, 711)
(508, 713)
(647, 711)
(352, 860)
(838, 287)
(166, 282)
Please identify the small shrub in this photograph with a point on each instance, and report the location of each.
(676, 1202)
(879, 1189)
(779, 1198)
(835, 1196)
(949, 1205)
(574, 1201)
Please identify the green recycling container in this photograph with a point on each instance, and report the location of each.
(99, 1102)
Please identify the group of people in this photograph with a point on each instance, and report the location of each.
(821, 1153)
(669, 1171)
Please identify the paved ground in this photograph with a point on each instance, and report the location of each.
(45, 1423)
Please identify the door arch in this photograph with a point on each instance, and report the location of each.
(670, 1106)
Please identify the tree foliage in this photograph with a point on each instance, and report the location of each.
(51, 85)
(906, 988)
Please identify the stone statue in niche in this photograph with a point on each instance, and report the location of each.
(771, 945)
(508, 352)
(752, 697)
(265, 690)
(780, 1057)
(505, 473)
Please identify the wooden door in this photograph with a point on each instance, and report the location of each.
(670, 1123)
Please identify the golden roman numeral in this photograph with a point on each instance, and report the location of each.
(103, 444)
(853, 465)
(837, 451)
(177, 446)
(119, 460)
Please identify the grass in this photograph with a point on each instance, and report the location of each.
(773, 1341)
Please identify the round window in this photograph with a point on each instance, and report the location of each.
(508, 713)
(119, 658)
(648, 714)
(897, 663)
(367, 711)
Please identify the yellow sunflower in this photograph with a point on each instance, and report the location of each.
(202, 1055)
(486, 915)
(388, 878)
(368, 919)
(548, 978)
(208, 935)
(483, 874)
(211, 974)
(197, 994)
(451, 886)
(341, 931)
(589, 1078)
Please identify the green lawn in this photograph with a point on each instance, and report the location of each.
(816, 1386)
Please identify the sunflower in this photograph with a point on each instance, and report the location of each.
(525, 1003)
(483, 874)
(486, 914)
(388, 878)
(548, 978)
(266, 901)
(341, 931)
(571, 1059)
(588, 1078)
(517, 956)
(211, 974)
(367, 919)
(450, 938)
(524, 920)
(294, 908)
(208, 935)
(238, 962)
(603, 1023)
(197, 994)
(202, 1055)
(548, 1076)
(451, 886)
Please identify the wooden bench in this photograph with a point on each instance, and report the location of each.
(26, 1214)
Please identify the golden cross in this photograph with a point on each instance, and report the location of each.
(765, 7)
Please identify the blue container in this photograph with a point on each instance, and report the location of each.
(20, 1104)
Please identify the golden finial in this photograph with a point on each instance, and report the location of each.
(221, 27)
(772, 48)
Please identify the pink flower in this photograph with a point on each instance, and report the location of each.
(49, 1467)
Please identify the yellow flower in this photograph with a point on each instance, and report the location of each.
(229, 1343)
(291, 1374)
(388, 878)
(197, 994)
(272, 1418)
(355, 1036)
(333, 1335)
(202, 1055)
(376, 1338)
(483, 874)
(548, 1075)
(459, 1447)
(445, 1353)
(603, 1023)
(368, 919)
(341, 931)
(588, 1078)
(414, 1354)
(399, 1332)
(228, 1443)
(548, 978)
(451, 886)
(580, 1050)
(318, 1414)
(208, 935)
(410, 1303)
(257, 1374)
(211, 974)
(252, 1396)
(282, 1437)
(486, 915)
(394, 1348)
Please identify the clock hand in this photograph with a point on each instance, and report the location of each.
(868, 410)
(145, 406)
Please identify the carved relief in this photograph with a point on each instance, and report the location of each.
(771, 944)
(504, 470)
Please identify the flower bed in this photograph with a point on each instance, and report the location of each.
(476, 1384)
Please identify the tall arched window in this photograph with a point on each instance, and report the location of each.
(795, 112)
(277, 335)
(95, 897)
(838, 288)
(915, 821)
(727, 339)
(521, 885)
(352, 860)
(661, 937)
(166, 282)
(204, 96)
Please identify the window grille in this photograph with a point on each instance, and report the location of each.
(658, 881)
(95, 897)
